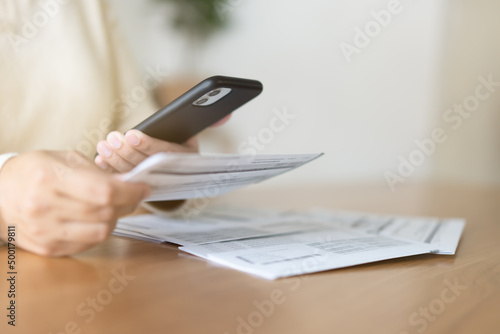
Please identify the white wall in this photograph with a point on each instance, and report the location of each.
(362, 114)
(472, 152)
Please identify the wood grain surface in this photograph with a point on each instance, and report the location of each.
(131, 286)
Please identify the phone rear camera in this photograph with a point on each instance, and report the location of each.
(202, 101)
(214, 92)
(210, 97)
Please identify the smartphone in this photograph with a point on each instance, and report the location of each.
(203, 105)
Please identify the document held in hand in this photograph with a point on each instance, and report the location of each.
(176, 176)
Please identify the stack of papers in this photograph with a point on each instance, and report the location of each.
(273, 244)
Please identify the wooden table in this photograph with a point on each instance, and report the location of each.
(163, 290)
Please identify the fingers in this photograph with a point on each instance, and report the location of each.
(47, 232)
(57, 225)
(102, 164)
(119, 153)
(52, 208)
(149, 145)
(84, 232)
(192, 145)
(96, 188)
(76, 240)
(67, 209)
(222, 121)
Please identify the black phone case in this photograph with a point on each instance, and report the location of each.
(180, 120)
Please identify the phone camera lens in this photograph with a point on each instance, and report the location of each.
(202, 101)
(214, 92)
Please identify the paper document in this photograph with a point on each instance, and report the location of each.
(205, 231)
(303, 253)
(181, 176)
(442, 234)
(273, 244)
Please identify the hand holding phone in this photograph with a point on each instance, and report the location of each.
(172, 128)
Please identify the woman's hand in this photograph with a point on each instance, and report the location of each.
(121, 153)
(61, 203)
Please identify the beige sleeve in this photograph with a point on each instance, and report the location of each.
(134, 89)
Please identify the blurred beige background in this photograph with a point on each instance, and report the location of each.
(365, 111)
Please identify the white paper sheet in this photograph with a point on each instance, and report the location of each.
(442, 233)
(182, 176)
(273, 244)
(206, 230)
(302, 253)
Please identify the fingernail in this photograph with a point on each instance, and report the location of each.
(101, 163)
(132, 139)
(114, 141)
(103, 149)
